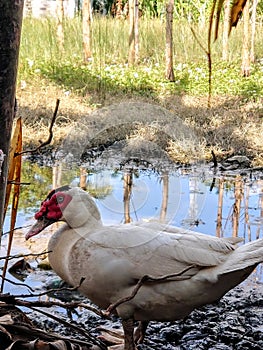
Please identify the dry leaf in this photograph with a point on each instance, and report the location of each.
(42, 345)
(236, 11)
(6, 320)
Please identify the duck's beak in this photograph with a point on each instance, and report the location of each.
(39, 226)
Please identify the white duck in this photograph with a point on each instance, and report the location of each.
(114, 258)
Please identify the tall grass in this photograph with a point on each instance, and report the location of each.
(40, 56)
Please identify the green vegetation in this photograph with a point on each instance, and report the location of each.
(109, 73)
(233, 124)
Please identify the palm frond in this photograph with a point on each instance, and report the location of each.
(237, 8)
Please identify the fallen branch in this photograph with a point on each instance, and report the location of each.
(34, 305)
(142, 281)
(13, 299)
(22, 325)
(10, 299)
(76, 328)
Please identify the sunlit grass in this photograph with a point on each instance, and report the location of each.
(40, 57)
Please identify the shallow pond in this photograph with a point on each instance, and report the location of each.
(191, 197)
(196, 198)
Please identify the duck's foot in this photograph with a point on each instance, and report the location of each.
(140, 331)
(117, 340)
(128, 328)
(111, 337)
(117, 347)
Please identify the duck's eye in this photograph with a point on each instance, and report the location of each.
(60, 199)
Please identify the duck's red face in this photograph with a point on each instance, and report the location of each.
(51, 210)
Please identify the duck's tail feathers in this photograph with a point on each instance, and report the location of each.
(249, 254)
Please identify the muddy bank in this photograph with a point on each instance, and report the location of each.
(234, 323)
(230, 127)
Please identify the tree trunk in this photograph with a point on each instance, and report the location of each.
(169, 41)
(86, 27)
(136, 31)
(226, 26)
(83, 178)
(245, 68)
(60, 20)
(127, 196)
(237, 205)
(56, 175)
(253, 30)
(261, 210)
(247, 220)
(11, 13)
(119, 11)
(131, 58)
(165, 194)
(220, 207)
(28, 8)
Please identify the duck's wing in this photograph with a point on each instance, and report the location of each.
(160, 250)
(194, 247)
(177, 230)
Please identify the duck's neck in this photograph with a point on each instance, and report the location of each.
(62, 242)
(85, 215)
(87, 225)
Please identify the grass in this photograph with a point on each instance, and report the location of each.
(45, 73)
(108, 70)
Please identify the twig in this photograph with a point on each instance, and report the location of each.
(10, 257)
(212, 184)
(12, 300)
(49, 291)
(50, 130)
(214, 159)
(143, 280)
(27, 329)
(16, 283)
(72, 326)
(13, 182)
(209, 60)
(8, 298)
(198, 41)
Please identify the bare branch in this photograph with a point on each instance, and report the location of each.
(49, 139)
(26, 328)
(33, 305)
(8, 298)
(214, 159)
(198, 41)
(49, 291)
(16, 228)
(13, 182)
(72, 326)
(142, 281)
(209, 60)
(16, 283)
(11, 257)
(2, 158)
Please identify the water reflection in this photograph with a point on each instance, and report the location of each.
(192, 198)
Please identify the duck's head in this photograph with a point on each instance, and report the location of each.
(69, 204)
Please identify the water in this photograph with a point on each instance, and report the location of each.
(184, 197)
